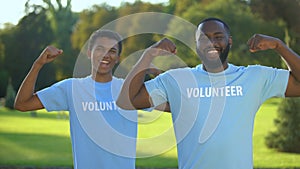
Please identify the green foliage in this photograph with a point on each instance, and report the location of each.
(4, 82)
(62, 21)
(287, 136)
(2, 49)
(23, 45)
(10, 96)
(284, 10)
(89, 21)
(181, 6)
(243, 25)
(3, 72)
(56, 24)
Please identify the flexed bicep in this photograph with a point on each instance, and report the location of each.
(293, 87)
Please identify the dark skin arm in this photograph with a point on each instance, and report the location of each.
(133, 93)
(260, 42)
(153, 70)
(26, 99)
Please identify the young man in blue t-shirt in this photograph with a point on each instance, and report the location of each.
(103, 136)
(214, 104)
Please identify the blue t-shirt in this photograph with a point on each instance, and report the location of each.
(213, 113)
(103, 136)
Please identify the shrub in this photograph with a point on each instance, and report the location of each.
(286, 138)
(10, 96)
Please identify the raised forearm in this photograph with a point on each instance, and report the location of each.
(291, 58)
(26, 90)
(134, 83)
(133, 93)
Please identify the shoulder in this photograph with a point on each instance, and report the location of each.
(64, 82)
(179, 71)
(267, 73)
(172, 76)
(117, 79)
(71, 82)
(257, 67)
(174, 73)
(262, 69)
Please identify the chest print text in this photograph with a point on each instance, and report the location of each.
(99, 106)
(228, 91)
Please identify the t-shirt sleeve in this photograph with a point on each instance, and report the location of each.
(157, 90)
(54, 98)
(276, 81)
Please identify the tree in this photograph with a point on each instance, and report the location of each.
(62, 21)
(23, 44)
(243, 25)
(91, 20)
(287, 136)
(10, 96)
(3, 72)
(4, 81)
(139, 21)
(181, 6)
(286, 11)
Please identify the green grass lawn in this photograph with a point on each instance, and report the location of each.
(34, 141)
(264, 157)
(44, 140)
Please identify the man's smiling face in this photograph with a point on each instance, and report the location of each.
(104, 55)
(213, 44)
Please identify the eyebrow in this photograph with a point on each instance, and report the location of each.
(105, 47)
(114, 48)
(217, 33)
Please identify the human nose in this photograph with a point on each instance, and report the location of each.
(106, 54)
(214, 41)
(206, 41)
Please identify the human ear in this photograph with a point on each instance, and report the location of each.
(230, 41)
(89, 54)
(117, 60)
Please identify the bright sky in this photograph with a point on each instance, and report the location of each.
(13, 10)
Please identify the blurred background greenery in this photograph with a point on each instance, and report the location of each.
(55, 23)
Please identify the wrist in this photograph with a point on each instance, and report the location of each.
(37, 65)
(279, 45)
(150, 53)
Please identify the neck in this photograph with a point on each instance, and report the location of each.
(218, 69)
(102, 77)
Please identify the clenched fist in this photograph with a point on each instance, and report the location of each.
(48, 55)
(162, 47)
(259, 42)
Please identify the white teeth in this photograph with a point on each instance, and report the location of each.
(103, 61)
(212, 51)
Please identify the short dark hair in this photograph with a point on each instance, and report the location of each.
(108, 34)
(219, 20)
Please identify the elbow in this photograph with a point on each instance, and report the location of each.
(125, 105)
(29, 104)
(20, 106)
